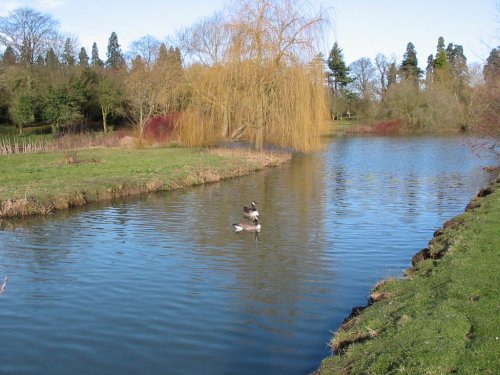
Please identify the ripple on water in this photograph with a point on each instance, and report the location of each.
(162, 283)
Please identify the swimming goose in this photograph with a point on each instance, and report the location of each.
(4, 285)
(249, 227)
(251, 212)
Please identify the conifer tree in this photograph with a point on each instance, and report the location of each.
(115, 56)
(95, 60)
(429, 70)
(449, 52)
(40, 60)
(68, 57)
(392, 75)
(441, 60)
(457, 62)
(491, 71)
(338, 76)
(163, 53)
(9, 57)
(83, 58)
(51, 59)
(409, 66)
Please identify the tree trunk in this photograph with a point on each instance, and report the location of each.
(141, 123)
(104, 122)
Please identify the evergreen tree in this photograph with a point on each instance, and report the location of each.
(338, 76)
(457, 62)
(178, 56)
(441, 60)
(392, 75)
(83, 58)
(174, 56)
(449, 52)
(9, 56)
(68, 57)
(51, 59)
(429, 70)
(26, 54)
(163, 53)
(115, 56)
(491, 71)
(409, 66)
(95, 60)
(40, 61)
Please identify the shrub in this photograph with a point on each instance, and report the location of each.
(161, 129)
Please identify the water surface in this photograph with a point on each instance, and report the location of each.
(162, 284)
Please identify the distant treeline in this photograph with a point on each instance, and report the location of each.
(448, 95)
(253, 73)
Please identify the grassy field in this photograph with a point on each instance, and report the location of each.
(444, 317)
(39, 183)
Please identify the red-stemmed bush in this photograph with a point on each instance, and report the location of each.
(161, 129)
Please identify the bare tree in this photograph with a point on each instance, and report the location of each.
(382, 64)
(148, 47)
(29, 33)
(205, 42)
(142, 94)
(363, 73)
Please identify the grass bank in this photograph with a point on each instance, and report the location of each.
(40, 183)
(444, 316)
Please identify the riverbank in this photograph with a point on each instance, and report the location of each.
(41, 183)
(443, 317)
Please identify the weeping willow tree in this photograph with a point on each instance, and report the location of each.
(265, 86)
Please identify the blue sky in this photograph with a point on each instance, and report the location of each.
(362, 27)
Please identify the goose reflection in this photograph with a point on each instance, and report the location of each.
(4, 285)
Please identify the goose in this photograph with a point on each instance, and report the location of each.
(250, 227)
(251, 212)
(4, 285)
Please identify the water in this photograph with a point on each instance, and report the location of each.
(162, 284)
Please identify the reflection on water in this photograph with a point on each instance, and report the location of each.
(162, 284)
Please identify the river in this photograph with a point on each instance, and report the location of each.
(163, 285)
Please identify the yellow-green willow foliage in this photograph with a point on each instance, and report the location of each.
(265, 89)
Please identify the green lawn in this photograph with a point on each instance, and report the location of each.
(444, 318)
(41, 182)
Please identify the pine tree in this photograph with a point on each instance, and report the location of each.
(163, 53)
(51, 59)
(68, 57)
(491, 71)
(392, 75)
(83, 58)
(338, 76)
(40, 60)
(449, 51)
(457, 62)
(9, 57)
(409, 66)
(95, 60)
(429, 70)
(115, 57)
(441, 60)
(178, 56)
